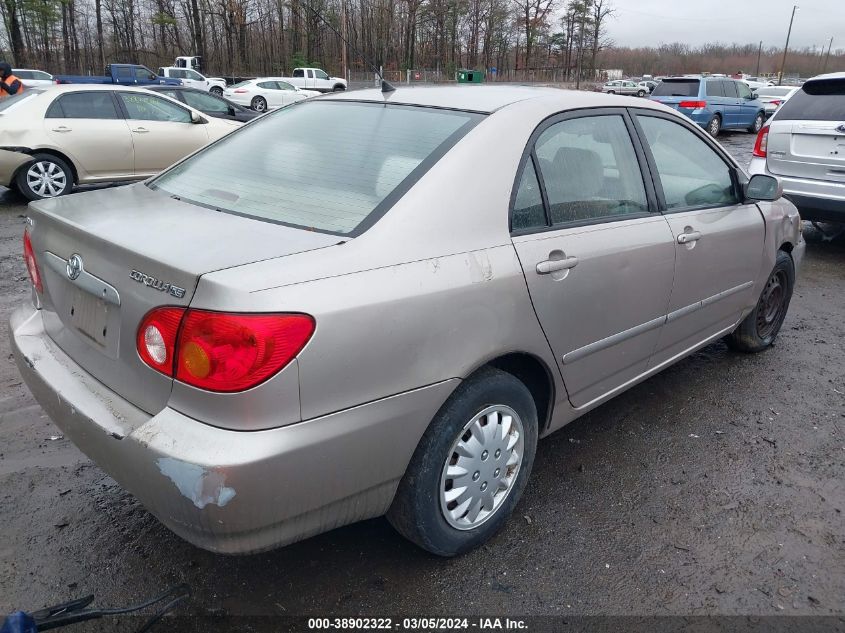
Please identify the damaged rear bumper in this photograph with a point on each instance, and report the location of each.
(10, 163)
(231, 491)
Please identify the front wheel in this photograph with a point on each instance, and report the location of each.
(641, 93)
(259, 104)
(758, 123)
(216, 90)
(760, 328)
(611, 92)
(47, 176)
(471, 466)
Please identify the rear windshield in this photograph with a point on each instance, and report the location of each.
(676, 88)
(325, 166)
(11, 102)
(822, 100)
(241, 83)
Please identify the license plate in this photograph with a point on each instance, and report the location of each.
(90, 316)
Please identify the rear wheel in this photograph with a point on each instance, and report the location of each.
(259, 104)
(760, 328)
(338, 88)
(47, 176)
(714, 126)
(471, 466)
(758, 123)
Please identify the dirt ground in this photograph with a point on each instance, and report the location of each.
(715, 487)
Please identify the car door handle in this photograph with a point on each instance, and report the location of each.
(687, 238)
(62, 129)
(554, 265)
(140, 130)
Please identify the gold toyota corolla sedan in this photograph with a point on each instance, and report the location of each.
(369, 304)
(53, 138)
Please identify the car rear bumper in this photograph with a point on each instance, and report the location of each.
(10, 162)
(231, 491)
(817, 200)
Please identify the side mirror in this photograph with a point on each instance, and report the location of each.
(763, 188)
(196, 118)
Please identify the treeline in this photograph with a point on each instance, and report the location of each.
(252, 37)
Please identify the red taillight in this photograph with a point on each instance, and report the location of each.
(157, 338)
(31, 264)
(240, 91)
(693, 104)
(762, 143)
(220, 351)
(776, 102)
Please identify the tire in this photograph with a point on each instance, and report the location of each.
(419, 509)
(714, 126)
(216, 90)
(259, 104)
(641, 93)
(758, 123)
(611, 92)
(338, 88)
(47, 176)
(760, 328)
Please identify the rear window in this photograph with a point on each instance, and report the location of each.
(822, 100)
(327, 166)
(676, 88)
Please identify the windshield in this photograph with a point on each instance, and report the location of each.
(328, 166)
(676, 88)
(821, 100)
(9, 103)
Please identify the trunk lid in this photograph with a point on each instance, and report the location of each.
(136, 249)
(807, 149)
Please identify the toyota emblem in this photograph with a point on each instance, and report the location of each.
(74, 266)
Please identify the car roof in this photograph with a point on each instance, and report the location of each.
(487, 99)
(88, 88)
(839, 75)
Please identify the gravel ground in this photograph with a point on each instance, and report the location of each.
(712, 488)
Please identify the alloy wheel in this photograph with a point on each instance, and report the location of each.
(481, 468)
(46, 179)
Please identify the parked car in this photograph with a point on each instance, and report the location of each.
(266, 93)
(122, 74)
(207, 103)
(248, 390)
(715, 103)
(624, 87)
(54, 138)
(315, 79)
(31, 78)
(772, 97)
(648, 84)
(803, 144)
(194, 79)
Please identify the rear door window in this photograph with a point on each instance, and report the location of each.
(83, 105)
(822, 100)
(326, 166)
(677, 88)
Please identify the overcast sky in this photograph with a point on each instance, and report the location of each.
(651, 22)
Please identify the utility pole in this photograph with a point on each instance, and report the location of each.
(827, 57)
(759, 52)
(581, 47)
(786, 48)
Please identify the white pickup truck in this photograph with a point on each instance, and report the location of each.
(193, 79)
(315, 79)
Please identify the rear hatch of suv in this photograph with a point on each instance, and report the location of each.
(675, 91)
(807, 134)
(107, 258)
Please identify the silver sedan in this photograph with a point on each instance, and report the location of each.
(372, 304)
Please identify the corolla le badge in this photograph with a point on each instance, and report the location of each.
(841, 128)
(74, 266)
(157, 284)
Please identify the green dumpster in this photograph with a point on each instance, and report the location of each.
(466, 76)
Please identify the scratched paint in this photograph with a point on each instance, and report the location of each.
(202, 486)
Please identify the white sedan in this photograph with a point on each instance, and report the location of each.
(266, 93)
